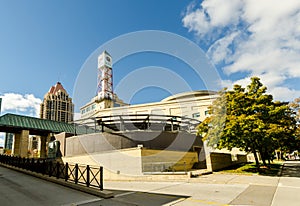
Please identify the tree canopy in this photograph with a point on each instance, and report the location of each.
(249, 119)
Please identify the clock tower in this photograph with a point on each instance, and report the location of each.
(105, 85)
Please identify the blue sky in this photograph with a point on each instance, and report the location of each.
(42, 42)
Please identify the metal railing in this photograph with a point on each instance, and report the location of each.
(89, 176)
(132, 122)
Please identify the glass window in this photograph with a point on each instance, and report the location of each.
(196, 115)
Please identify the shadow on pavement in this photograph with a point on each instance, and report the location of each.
(135, 198)
(291, 169)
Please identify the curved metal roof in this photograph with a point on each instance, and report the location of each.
(15, 123)
(185, 95)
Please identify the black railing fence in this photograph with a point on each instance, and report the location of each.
(89, 176)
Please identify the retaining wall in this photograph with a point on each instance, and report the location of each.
(220, 161)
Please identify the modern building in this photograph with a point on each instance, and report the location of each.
(138, 139)
(192, 104)
(57, 105)
(189, 104)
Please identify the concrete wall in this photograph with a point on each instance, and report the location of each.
(165, 140)
(132, 153)
(61, 137)
(242, 158)
(100, 142)
(126, 162)
(218, 161)
(165, 160)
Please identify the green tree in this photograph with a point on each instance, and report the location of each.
(249, 119)
(295, 105)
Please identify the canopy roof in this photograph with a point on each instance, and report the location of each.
(16, 123)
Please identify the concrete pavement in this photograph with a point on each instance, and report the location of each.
(288, 189)
(227, 189)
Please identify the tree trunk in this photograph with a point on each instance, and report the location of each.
(256, 158)
(263, 156)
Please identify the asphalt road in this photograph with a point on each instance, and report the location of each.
(20, 189)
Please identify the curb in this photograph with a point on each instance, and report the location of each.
(195, 174)
(82, 188)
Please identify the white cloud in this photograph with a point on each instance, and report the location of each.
(213, 14)
(26, 104)
(283, 93)
(259, 38)
(219, 50)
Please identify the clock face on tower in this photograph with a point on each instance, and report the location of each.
(108, 61)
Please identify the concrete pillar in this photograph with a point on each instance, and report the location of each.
(206, 153)
(44, 143)
(209, 165)
(16, 145)
(43, 146)
(21, 143)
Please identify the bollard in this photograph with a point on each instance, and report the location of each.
(101, 178)
(76, 174)
(66, 172)
(87, 175)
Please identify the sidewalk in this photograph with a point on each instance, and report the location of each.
(288, 190)
(224, 189)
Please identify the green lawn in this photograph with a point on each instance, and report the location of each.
(250, 168)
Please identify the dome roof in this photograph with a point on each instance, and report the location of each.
(186, 95)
